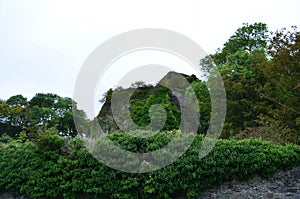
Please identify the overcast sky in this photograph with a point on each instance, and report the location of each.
(44, 43)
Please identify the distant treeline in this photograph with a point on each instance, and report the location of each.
(43, 111)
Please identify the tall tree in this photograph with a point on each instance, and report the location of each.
(236, 63)
(248, 38)
(282, 71)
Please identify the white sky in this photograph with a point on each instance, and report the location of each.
(44, 43)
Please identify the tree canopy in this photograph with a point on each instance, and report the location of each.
(42, 111)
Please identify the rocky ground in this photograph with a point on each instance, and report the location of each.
(281, 185)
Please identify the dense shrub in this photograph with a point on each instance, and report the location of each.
(62, 168)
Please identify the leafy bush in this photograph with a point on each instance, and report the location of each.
(271, 130)
(38, 170)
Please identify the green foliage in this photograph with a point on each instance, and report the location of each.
(48, 139)
(140, 110)
(248, 38)
(42, 111)
(271, 130)
(4, 139)
(261, 77)
(204, 103)
(282, 72)
(43, 169)
(146, 98)
(236, 63)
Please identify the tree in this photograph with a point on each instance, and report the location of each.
(50, 110)
(282, 72)
(17, 100)
(236, 63)
(17, 110)
(4, 109)
(13, 115)
(247, 38)
(43, 110)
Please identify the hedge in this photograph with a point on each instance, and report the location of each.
(55, 167)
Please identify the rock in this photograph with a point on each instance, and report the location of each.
(293, 189)
(270, 195)
(282, 185)
(295, 173)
